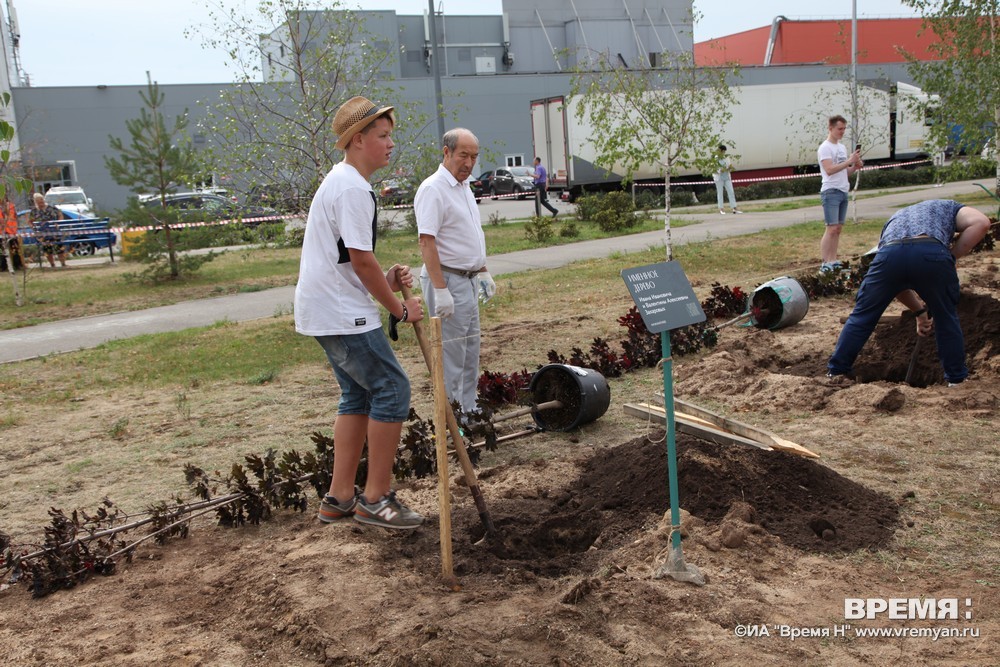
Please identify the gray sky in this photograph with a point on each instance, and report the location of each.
(114, 42)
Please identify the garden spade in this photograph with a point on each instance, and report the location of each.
(456, 436)
(913, 360)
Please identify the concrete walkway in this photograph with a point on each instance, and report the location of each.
(89, 332)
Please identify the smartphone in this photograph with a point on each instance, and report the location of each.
(858, 148)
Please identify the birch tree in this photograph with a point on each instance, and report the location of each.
(966, 79)
(296, 62)
(669, 117)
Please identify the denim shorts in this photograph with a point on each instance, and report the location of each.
(834, 206)
(371, 380)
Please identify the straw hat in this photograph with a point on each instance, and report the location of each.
(354, 115)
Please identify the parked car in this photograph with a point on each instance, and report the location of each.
(396, 191)
(481, 185)
(70, 199)
(513, 180)
(203, 206)
(281, 197)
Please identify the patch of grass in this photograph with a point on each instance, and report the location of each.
(264, 377)
(78, 466)
(119, 429)
(185, 358)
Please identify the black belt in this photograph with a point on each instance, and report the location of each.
(912, 239)
(460, 272)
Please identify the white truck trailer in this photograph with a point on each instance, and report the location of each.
(774, 130)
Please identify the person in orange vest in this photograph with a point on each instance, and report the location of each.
(8, 229)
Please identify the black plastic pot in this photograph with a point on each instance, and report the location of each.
(583, 392)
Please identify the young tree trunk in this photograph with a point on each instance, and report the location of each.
(175, 269)
(666, 218)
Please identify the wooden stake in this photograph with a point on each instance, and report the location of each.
(468, 470)
(441, 410)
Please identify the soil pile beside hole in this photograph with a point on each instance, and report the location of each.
(622, 492)
(789, 494)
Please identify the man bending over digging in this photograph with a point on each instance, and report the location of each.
(338, 279)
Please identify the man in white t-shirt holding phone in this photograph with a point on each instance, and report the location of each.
(836, 166)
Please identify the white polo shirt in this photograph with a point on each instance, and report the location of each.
(447, 210)
(330, 299)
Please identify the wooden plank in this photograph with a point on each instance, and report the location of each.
(695, 428)
(738, 428)
(745, 430)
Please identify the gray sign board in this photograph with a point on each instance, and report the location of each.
(664, 296)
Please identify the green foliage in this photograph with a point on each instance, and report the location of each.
(649, 199)
(569, 230)
(119, 429)
(156, 160)
(665, 116)
(966, 77)
(273, 130)
(538, 228)
(681, 197)
(615, 212)
(496, 219)
(587, 207)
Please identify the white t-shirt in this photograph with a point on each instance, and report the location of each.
(330, 299)
(837, 154)
(446, 210)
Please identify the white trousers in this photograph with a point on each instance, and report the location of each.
(460, 337)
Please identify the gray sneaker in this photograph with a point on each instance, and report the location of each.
(331, 511)
(387, 512)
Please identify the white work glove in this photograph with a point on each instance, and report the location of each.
(444, 303)
(487, 288)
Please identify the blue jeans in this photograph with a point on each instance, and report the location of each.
(928, 268)
(371, 380)
(834, 206)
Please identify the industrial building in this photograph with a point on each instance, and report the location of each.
(492, 67)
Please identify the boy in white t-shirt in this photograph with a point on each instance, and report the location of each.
(836, 167)
(338, 279)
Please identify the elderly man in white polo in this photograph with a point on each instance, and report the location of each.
(454, 274)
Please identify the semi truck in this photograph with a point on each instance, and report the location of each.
(774, 130)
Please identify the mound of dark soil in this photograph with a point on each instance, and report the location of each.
(623, 491)
(790, 496)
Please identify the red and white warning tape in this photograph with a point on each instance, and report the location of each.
(762, 179)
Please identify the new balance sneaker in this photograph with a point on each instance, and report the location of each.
(331, 511)
(386, 512)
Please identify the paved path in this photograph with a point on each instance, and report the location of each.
(88, 332)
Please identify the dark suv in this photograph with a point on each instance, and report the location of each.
(205, 206)
(513, 180)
